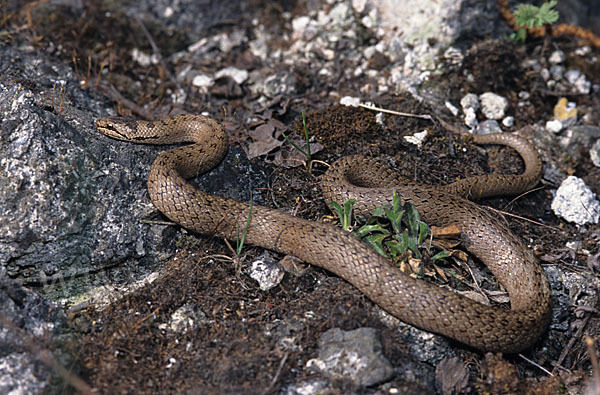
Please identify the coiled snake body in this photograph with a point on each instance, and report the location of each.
(371, 183)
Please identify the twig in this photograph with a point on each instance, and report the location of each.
(522, 218)
(277, 374)
(572, 341)
(543, 369)
(402, 114)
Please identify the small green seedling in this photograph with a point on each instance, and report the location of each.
(345, 213)
(528, 16)
(242, 238)
(392, 231)
(306, 152)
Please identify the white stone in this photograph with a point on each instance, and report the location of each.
(470, 118)
(493, 106)
(595, 153)
(266, 271)
(575, 202)
(238, 75)
(508, 121)
(489, 126)
(554, 126)
(557, 57)
(300, 23)
(578, 80)
(350, 101)
(202, 81)
(417, 138)
(452, 108)
(359, 5)
(470, 100)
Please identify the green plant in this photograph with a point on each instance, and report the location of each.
(306, 152)
(392, 231)
(345, 213)
(528, 16)
(242, 238)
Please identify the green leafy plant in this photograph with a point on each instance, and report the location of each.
(344, 213)
(393, 231)
(528, 16)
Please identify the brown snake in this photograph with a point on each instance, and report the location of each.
(371, 183)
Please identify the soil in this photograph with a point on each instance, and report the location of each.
(121, 349)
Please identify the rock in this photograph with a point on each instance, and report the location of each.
(579, 81)
(470, 100)
(556, 57)
(28, 325)
(354, 355)
(575, 202)
(577, 139)
(554, 126)
(238, 75)
(470, 118)
(493, 106)
(452, 108)
(203, 81)
(187, 317)
(417, 138)
(565, 111)
(508, 121)
(595, 153)
(266, 271)
(72, 199)
(489, 126)
(350, 101)
(556, 71)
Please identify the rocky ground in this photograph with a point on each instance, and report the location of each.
(127, 302)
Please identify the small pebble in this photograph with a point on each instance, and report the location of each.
(493, 106)
(554, 126)
(565, 111)
(557, 72)
(557, 57)
(489, 126)
(470, 100)
(452, 108)
(595, 153)
(508, 121)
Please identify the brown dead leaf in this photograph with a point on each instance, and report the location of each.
(451, 231)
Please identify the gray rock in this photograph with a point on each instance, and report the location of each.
(556, 57)
(493, 106)
(354, 355)
(577, 139)
(187, 317)
(595, 153)
(489, 126)
(28, 324)
(578, 80)
(554, 126)
(575, 202)
(470, 100)
(72, 199)
(266, 271)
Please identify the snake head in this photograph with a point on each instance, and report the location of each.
(120, 128)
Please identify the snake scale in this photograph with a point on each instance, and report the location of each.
(371, 183)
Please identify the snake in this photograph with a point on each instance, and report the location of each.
(371, 183)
